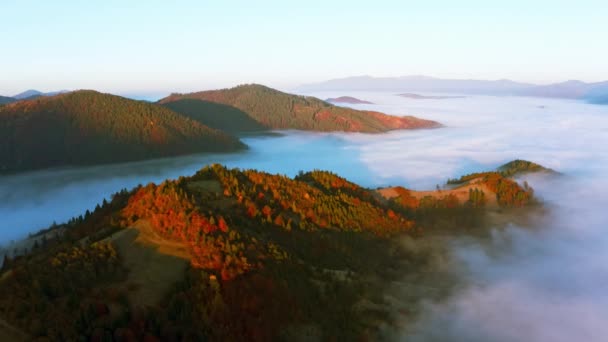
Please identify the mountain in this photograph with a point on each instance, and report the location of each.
(418, 83)
(347, 99)
(277, 110)
(27, 93)
(6, 99)
(230, 255)
(87, 127)
(32, 94)
(592, 92)
(571, 90)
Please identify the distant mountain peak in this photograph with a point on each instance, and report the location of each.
(27, 93)
(33, 93)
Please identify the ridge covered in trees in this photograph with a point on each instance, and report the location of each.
(87, 127)
(268, 257)
(6, 99)
(277, 110)
(463, 201)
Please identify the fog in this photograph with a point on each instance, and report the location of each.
(547, 281)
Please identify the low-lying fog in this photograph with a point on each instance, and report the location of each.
(544, 284)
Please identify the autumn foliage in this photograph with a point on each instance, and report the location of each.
(172, 214)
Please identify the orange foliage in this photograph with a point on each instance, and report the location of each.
(171, 214)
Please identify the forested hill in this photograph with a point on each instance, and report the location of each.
(277, 110)
(216, 115)
(88, 127)
(5, 100)
(519, 166)
(228, 255)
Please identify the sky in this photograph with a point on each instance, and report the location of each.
(155, 47)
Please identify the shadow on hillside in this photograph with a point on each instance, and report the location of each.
(216, 115)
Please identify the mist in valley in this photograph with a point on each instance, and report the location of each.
(544, 280)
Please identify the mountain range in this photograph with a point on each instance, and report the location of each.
(592, 92)
(28, 95)
(240, 255)
(32, 93)
(88, 127)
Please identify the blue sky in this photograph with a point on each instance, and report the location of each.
(137, 47)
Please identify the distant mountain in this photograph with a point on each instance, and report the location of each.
(27, 93)
(87, 127)
(592, 92)
(277, 110)
(418, 83)
(6, 99)
(32, 94)
(571, 90)
(347, 99)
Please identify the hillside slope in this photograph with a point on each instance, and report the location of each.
(87, 127)
(225, 255)
(6, 99)
(277, 110)
(216, 115)
(235, 255)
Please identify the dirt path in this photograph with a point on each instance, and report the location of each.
(461, 192)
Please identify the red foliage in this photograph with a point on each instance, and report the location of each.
(171, 214)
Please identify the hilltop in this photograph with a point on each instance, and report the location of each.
(225, 254)
(277, 110)
(87, 127)
(519, 167)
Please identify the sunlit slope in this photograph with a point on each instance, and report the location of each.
(225, 254)
(482, 189)
(254, 242)
(277, 110)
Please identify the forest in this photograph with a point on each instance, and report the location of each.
(265, 257)
(277, 110)
(6, 99)
(87, 127)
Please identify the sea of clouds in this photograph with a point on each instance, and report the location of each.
(543, 283)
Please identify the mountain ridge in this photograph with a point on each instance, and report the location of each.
(217, 255)
(33, 93)
(572, 89)
(88, 127)
(274, 109)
